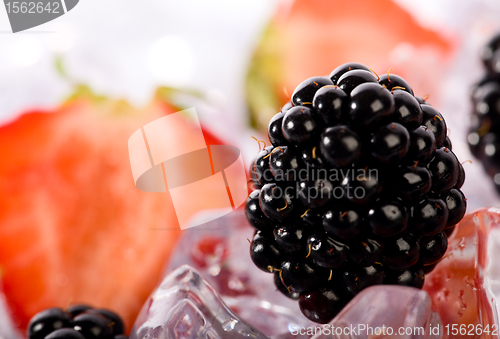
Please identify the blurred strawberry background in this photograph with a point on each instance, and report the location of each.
(72, 225)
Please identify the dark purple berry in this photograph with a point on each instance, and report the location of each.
(291, 238)
(283, 289)
(274, 130)
(358, 278)
(326, 251)
(254, 213)
(392, 80)
(413, 277)
(434, 121)
(407, 110)
(301, 275)
(447, 143)
(330, 105)
(362, 187)
(47, 321)
(260, 167)
(343, 222)
(274, 202)
(370, 103)
(488, 55)
(65, 333)
(401, 253)
(298, 125)
(265, 252)
(352, 79)
(456, 204)
(433, 248)
(311, 156)
(429, 216)
(444, 170)
(365, 252)
(304, 93)
(388, 218)
(93, 326)
(322, 305)
(340, 146)
(461, 176)
(116, 323)
(285, 164)
(286, 107)
(74, 310)
(339, 71)
(315, 193)
(413, 182)
(422, 144)
(390, 143)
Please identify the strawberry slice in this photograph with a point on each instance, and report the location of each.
(73, 226)
(312, 37)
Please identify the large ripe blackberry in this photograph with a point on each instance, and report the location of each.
(360, 188)
(484, 133)
(78, 322)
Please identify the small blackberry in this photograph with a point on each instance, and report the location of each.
(360, 187)
(78, 322)
(485, 126)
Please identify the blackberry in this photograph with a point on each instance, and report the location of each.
(485, 118)
(78, 322)
(362, 188)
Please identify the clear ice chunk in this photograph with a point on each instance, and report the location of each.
(185, 306)
(220, 251)
(385, 312)
(464, 286)
(7, 328)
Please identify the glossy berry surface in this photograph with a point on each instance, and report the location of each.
(370, 103)
(342, 69)
(274, 130)
(65, 333)
(304, 93)
(390, 143)
(274, 203)
(364, 188)
(330, 104)
(265, 252)
(413, 277)
(340, 146)
(92, 325)
(78, 321)
(300, 275)
(433, 248)
(392, 80)
(298, 125)
(351, 79)
(485, 116)
(388, 218)
(401, 253)
(323, 304)
(254, 213)
(46, 322)
(326, 251)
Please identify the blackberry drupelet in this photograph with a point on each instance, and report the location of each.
(359, 188)
(78, 322)
(484, 132)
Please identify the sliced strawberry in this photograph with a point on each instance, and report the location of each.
(312, 37)
(73, 226)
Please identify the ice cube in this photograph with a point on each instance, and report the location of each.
(464, 286)
(185, 306)
(220, 251)
(7, 328)
(385, 312)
